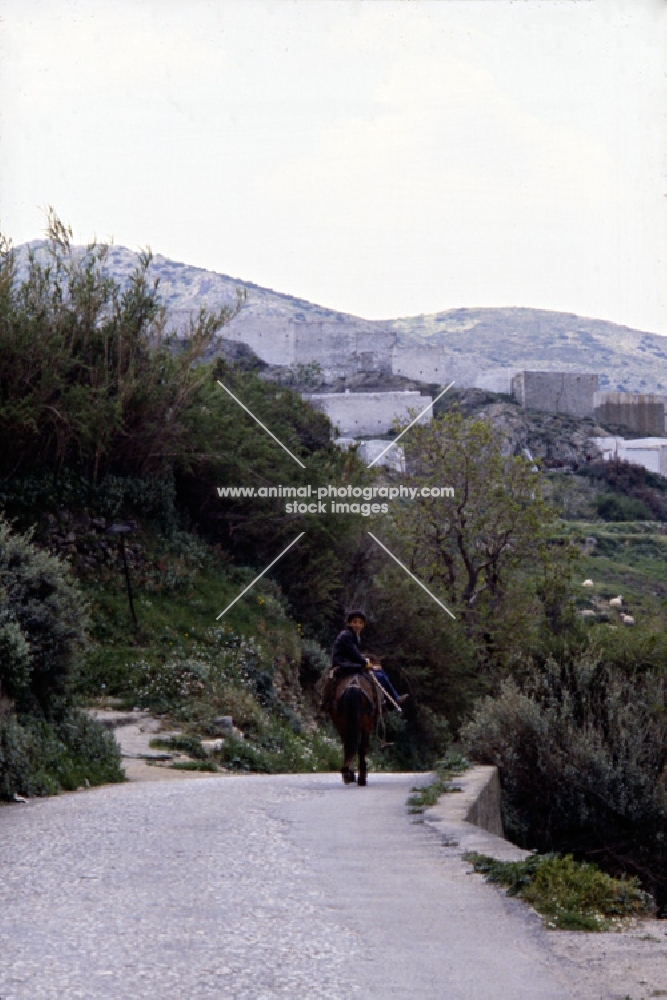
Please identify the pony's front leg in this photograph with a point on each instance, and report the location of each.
(347, 770)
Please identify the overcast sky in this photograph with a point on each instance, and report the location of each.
(382, 158)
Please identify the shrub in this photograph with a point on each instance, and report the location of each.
(612, 507)
(26, 498)
(94, 752)
(15, 767)
(190, 745)
(571, 896)
(314, 662)
(581, 749)
(278, 750)
(631, 492)
(162, 687)
(43, 621)
(42, 758)
(194, 765)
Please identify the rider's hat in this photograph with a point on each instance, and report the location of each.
(354, 614)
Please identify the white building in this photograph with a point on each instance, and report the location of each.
(650, 453)
(369, 449)
(367, 414)
(434, 364)
(496, 380)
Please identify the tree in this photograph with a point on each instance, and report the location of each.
(91, 386)
(87, 374)
(483, 549)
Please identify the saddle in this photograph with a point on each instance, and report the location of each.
(336, 686)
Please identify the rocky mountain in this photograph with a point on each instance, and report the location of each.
(625, 359)
(476, 339)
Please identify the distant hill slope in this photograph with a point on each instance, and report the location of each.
(625, 359)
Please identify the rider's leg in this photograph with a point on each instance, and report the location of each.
(386, 684)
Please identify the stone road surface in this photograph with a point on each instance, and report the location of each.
(255, 887)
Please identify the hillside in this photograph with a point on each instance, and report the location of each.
(625, 359)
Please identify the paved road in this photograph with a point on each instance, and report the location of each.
(255, 887)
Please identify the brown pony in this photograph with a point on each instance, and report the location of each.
(354, 710)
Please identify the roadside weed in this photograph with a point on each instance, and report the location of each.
(570, 895)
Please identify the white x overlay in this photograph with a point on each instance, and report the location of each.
(423, 587)
(264, 428)
(260, 575)
(419, 415)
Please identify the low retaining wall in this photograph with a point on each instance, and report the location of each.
(470, 819)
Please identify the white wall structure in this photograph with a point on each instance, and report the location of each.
(392, 459)
(556, 392)
(365, 414)
(650, 452)
(342, 349)
(496, 380)
(339, 347)
(434, 364)
(272, 343)
(426, 364)
(369, 449)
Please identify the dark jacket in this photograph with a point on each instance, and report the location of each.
(346, 656)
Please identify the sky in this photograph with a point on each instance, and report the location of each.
(382, 157)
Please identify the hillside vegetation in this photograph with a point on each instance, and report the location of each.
(107, 419)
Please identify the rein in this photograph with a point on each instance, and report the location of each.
(380, 719)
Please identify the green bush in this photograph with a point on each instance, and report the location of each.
(315, 662)
(190, 745)
(153, 498)
(42, 758)
(570, 895)
(277, 749)
(581, 748)
(43, 622)
(631, 492)
(613, 507)
(163, 687)
(15, 758)
(194, 765)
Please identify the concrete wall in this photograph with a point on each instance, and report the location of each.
(470, 819)
(496, 380)
(644, 413)
(272, 343)
(433, 364)
(364, 414)
(556, 392)
(340, 348)
(462, 369)
(370, 448)
(426, 364)
(392, 459)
